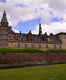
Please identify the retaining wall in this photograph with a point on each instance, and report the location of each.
(31, 58)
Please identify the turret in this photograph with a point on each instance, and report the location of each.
(30, 32)
(4, 31)
(4, 19)
(40, 30)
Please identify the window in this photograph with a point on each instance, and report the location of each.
(54, 46)
(46, 45)
(39, 45)
(25, 45)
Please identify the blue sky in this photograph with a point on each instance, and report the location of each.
(25, 26)
(25, 15)
(3, 1)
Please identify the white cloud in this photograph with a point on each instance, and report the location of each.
(55, 28)
(57, 7)
(32, 4)
(16, 31)
(58, 4)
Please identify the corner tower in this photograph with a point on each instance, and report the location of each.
(4, 31)
(4, 21)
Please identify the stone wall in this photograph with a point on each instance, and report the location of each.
(16, 44)
(32, 58)
(23, 58)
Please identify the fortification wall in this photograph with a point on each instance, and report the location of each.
(14, 59)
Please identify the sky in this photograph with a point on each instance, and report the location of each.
(25, 15)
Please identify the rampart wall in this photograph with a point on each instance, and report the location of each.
(14, 59)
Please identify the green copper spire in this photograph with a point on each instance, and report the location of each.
(4, 18)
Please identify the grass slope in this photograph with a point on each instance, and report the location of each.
(26, 50)
(35, 73)
(57, 50)
(30, 50)
(55, 72)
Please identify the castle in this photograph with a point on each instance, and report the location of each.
(10, 39)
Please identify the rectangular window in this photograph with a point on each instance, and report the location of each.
(46, 45)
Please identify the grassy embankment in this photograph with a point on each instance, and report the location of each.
(26, 50)
(57, 50)
(55, 72)
(30, 50)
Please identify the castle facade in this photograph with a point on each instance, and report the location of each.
(10, 39)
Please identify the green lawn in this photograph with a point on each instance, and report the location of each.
(35, 73)
(30, 50)
(57, 50)
(25, 50)
(55, 72)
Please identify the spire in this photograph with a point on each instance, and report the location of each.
(4, 19)
(4, 14)
(40, 30)
(45, 37)
(30, 32)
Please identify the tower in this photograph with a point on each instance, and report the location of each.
(4, 31)
(4, 21)
(40, 30)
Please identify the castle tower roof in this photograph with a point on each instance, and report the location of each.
(4, 19)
